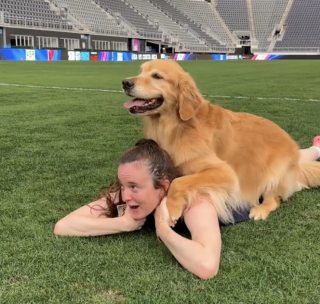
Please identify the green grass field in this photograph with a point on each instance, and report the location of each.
(59, 146)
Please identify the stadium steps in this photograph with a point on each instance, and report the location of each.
(125, 13)
(201, 13)
(223, 24)
(179, 37)
(281, 25)
(95, 19)
(75, 22)
(302, 31)
(184, 20)
(251, 23)
(266, 18)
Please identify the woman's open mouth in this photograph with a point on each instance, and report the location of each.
(133, 206)
(140, 105)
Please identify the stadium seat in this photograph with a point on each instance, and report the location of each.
(265, 17)
(92, 16)
(131, 16)
(30, 13)
(154, 14)
(302, 30)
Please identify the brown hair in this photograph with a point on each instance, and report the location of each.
(158, 162)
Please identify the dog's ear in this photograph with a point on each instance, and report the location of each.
(189, 97)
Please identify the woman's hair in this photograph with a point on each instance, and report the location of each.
(159, 164)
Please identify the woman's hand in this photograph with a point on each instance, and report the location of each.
(161, 214)
(131, 224)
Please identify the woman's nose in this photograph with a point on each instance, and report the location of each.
(126, 197)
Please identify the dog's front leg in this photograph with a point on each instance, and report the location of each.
(218, 182)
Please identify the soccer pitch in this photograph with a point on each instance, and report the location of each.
(62, 129)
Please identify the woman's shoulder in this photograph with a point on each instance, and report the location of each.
(199, 200)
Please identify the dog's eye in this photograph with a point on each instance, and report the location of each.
(156, 76)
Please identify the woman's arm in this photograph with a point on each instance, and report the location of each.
(87, 221)
(201, 254)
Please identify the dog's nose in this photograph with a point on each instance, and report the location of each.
(127, 84)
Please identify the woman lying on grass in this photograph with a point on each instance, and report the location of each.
(144, 176)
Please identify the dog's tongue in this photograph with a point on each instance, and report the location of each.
(135, 102)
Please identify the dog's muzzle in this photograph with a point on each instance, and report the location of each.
(127, 84)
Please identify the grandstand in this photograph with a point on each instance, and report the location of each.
(301, 34)
(216, 26)
(31, 13)
(266, 19)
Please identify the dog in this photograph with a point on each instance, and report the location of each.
(231, 158)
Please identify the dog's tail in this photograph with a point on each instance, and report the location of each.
(309, 174)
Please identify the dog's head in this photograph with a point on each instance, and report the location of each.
(162, 86)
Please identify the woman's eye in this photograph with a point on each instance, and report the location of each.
(156, 76)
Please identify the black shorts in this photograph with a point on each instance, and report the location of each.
(242, 215)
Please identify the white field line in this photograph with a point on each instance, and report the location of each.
(56, 88)
(120, 91)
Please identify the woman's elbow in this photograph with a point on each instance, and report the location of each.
(208, 270)
(59, 228)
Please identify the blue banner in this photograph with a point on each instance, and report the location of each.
(30, 55)
(115, 56)
(55, 55)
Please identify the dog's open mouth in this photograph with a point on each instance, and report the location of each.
(139, 105)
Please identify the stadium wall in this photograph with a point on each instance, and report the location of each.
(85, 50)
(21, 54)
(7, 33)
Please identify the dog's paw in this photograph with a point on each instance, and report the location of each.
(175, 211)
(259, 213)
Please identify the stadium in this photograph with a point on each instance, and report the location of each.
(239, 27)
(63, 126)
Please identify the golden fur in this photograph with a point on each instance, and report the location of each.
(232, 158)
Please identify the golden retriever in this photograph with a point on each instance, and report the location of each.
(232, 158)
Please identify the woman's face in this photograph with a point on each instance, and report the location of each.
(137, 189)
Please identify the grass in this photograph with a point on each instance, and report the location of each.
(58, 147)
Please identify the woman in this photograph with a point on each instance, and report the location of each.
(144, 176)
